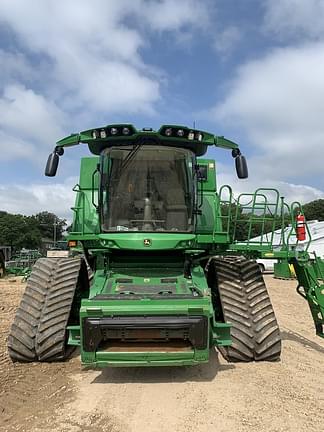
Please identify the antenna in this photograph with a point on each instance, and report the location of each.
(194, 124)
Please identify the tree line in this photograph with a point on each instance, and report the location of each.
(20, 231)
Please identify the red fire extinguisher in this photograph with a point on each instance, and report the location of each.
(300, 227)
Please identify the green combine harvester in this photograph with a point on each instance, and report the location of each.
(171, 277)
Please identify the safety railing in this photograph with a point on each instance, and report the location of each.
(85, 213)
(261, 220)
(79, 210)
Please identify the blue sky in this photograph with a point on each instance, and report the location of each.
(252, 70)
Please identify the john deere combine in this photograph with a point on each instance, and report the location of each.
(172, 277)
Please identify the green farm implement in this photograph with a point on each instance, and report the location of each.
(173, 273)
(283, 270)
(21, 264)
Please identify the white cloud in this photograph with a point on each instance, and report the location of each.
(226, 41)
(15, 67)
(28, 123)
(171, 15)
(95, 57)
(123, 86)
(278, 102)
(292, 192)
(81, 59)
(54, 197)
(295, 18)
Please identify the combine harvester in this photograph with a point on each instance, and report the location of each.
(171, 280)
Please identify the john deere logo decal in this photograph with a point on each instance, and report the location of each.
(147, 242)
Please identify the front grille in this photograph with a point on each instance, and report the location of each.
(125, 329)
(146, 289)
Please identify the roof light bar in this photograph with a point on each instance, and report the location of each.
(184, 133)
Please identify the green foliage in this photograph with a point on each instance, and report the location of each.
(48, 222)
(314, 210)
(247, 225)
(19, 231)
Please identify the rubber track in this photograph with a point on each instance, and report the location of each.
(50, 344)
(246, 304)
(39, 328)
(21, 339)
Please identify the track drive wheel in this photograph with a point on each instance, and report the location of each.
(240, 292)
(38, 332)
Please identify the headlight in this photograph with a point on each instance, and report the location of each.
(103, 133)
(199, 136)
(180, 132)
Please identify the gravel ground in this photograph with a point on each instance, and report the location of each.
(282, 396)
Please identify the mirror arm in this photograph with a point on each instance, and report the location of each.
(221, 141)
(53, 161)
(59, 150)
(236, 152)
(240, 161)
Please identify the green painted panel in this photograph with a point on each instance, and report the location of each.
(206, 221)
(208, 185)
(88, 166)
(147, 241)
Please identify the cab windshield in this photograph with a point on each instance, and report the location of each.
(147, 188)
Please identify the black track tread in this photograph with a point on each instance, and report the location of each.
(246, 304)
(21, 339)
(50, 342)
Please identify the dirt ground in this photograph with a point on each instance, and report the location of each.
(282, 396)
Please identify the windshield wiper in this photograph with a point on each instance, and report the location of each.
(131, 155)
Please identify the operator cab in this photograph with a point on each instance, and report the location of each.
(148, 188)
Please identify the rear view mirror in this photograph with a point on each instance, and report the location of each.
(52, 164)
(241, 167)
